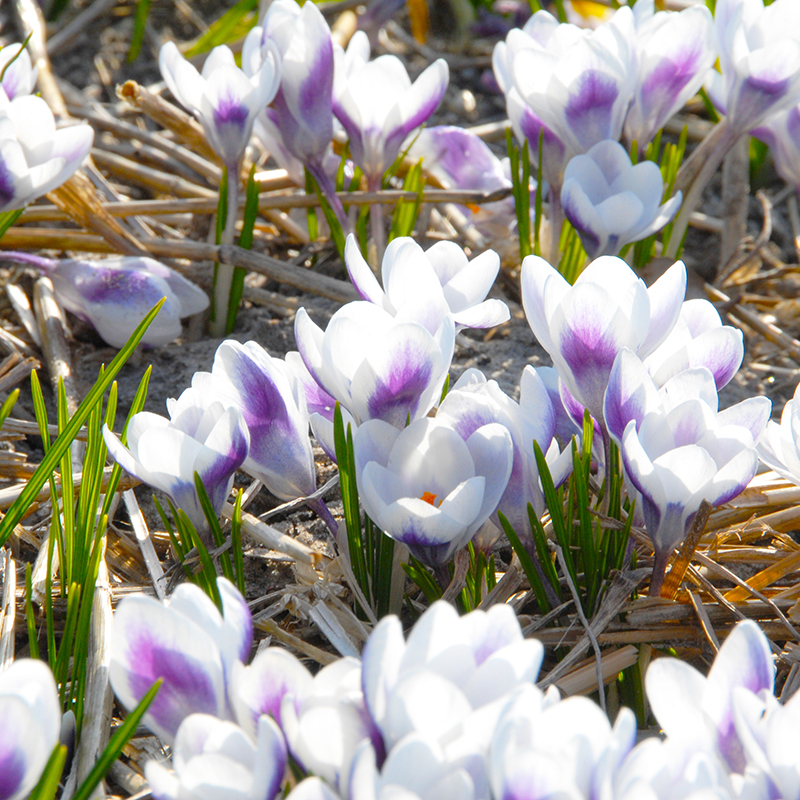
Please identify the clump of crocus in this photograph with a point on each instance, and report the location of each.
(226, 102)
(115, 294)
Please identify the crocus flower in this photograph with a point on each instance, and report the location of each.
(677, 457)
(273, 405)
(115, 294)
(216, 760)
(584, 326)
(378, 106)
(474, 402)
(442, 270)
(779, 448)
(187, 642)
(782, 133)
(759, 56)
(611, 202)
(699, 339)
(380, 366)
(201, 436)
(450, 678)
(541, 33)
(35, 158)
(427, 487)
(30, 723)
(325, 728)
(300, 120)
(222, 97)
(698, 710)
(417, 766)
(19, 76)
(542, 748)
(583, 91)
(674, 52)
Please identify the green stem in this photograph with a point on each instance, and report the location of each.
(224, 272)
(376, 225)
(724, 138)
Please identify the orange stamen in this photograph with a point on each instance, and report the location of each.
(429, 498)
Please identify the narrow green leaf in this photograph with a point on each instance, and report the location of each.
(236, 541)
(30, 620)
(62, 443)
(423, 579)
(311, 212)
(214, 526)
(116, 744)
(233, 24)
(139, 23)
(528, 567)
(8, 218)
(7, 406)
(47, 786)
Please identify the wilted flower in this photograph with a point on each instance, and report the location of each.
(273, 404)
(583, 327)
(35, 158)
(378, 106)
(200, 437)
(759, 56)
(19, 75)
(443, 270)
(30, 723)
(222, 97)
(427, 487)
(185, 641)
(611, 202)
(115, 294)
(216, 760)
(674, 52)
(380, 366)
(699, 711)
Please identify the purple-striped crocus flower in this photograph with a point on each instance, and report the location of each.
(214, 759)
(582, 91)
(450, 679)
(379, 107)
(35, 157)
(611, 202)
(698, 711)
(674, 52)
(30, 723)
(782, 133)
(542, 748)
(380, 366)
(115, 294)
(19, 75)
(186, 642)
(273, 404)
(681, 454)
(222, 97)
(201, 436)
(779, 448)
(541, 33)
(429, 488)
(474, 402)
(299, 122)
(442, 270)
(759, 56)
(583, 327)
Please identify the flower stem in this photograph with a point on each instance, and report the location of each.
(329, 190)
(224, 272)
(659, 571)
(701, 167)
(318, 506)
(556, 221)
(376, 225)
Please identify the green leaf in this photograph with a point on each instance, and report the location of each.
(214, 526)
(233, 24)
(33, 643)
(139, 23)
(47, 786)
(116, 744)
(406, 212)
(64, 440)
(8, 218)
(236, 541)
(528, 567)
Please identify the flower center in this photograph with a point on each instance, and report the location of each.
(429, 497)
